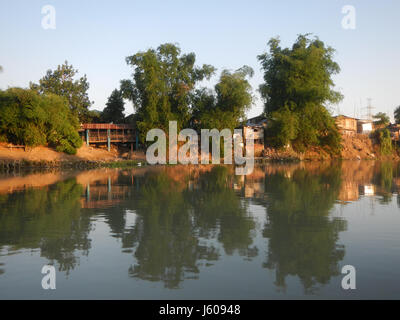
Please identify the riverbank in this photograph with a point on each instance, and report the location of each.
(15, 158)
(357, 147)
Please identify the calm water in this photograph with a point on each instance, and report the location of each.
(177, 232)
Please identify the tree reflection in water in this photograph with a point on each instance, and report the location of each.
(47, 219)
(302, 238)
(174, 218)
(189, 217)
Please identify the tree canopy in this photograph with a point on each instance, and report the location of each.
(226, 107)
(381, 118)
(114, 110)
(163, 79)
(385, 141)
(31, 119)
(297, 90)
(62, 82)
(397, 115)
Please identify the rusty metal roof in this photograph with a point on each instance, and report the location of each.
(105, 126)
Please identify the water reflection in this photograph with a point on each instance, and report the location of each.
(181, 217)
(303, 239)
(48, 219)
(176, 220)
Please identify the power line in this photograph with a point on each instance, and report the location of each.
(369, 108)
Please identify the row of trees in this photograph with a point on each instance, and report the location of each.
(297, 91)
(47, 113)
(163, 88)
(166, 85)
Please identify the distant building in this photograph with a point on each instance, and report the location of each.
(259, 120)
(257, 131)
(346, 125)
(256, 125)
(364, 126)
(349, 191)
(107, 133)
(394, 131)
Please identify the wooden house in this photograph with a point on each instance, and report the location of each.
(107, 133)
(346, 125)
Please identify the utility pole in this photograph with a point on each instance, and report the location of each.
(369, 108)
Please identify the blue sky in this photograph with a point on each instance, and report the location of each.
(95, 37)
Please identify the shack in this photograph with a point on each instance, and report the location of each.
(256, 126)
(346, 125)
(364, 126)
(394, 131)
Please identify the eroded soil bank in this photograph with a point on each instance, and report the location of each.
(357, 147)
(14, 158)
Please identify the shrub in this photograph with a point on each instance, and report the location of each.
(31, 119)
(385, 141)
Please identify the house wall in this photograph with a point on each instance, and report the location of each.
(346, 125)
(364, 127)
(258, 136)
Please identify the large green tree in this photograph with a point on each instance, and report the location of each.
(62, 82)
(297, 91)
(162, 82)
(114, 110)
(226, 107)
(31, 119)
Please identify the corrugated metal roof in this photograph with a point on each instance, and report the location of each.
(105, 126)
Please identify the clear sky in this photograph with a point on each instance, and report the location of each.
(95, 36)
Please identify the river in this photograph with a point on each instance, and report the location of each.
(201, 232)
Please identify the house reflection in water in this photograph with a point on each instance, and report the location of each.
(352, 191)
(349, 191)
(357, 179)
(104, 190)
(253, 185)
(367, 190)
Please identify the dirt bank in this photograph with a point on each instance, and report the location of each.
(357, 147)
(45, 154)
